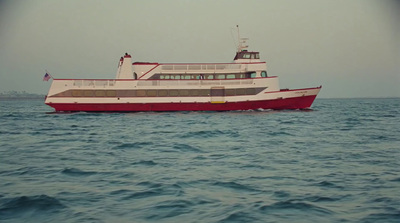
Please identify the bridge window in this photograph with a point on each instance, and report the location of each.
(263, 73)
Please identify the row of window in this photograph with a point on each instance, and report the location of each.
(159, 93)
(206, 76)
(251, 56)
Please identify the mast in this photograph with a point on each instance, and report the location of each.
(242, 41)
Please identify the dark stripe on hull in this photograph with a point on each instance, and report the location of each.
(276, 104)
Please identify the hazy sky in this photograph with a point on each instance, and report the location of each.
(350, 47)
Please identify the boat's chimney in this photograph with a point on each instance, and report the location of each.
(125, 67)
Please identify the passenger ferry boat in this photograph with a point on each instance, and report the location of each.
(143, 86)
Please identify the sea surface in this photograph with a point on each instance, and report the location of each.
(339, 162)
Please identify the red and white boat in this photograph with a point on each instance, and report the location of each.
(240, 85)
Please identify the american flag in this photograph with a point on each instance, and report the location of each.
(46, 77)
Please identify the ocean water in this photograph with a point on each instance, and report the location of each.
(339, 162)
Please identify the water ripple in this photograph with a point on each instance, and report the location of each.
(336, 163)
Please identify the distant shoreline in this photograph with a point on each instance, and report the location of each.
(20, 95)
(6, 98)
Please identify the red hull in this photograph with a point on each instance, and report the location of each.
(277, 104)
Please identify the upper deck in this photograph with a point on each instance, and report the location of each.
(153, 70)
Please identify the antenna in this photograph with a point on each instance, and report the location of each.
(241, 42)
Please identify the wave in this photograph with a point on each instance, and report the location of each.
(290, 205)
(240, 216)
(328, 184)
(77, 172)
(187, 148)
(144, 194)
(31, 205)
(396, 180)
(322, 199)
(169, 209)
(203, 134)
(383, 217)
(152, 190)
(145, 163)
(135, 145)
(234, 185)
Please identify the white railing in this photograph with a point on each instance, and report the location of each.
(194, 82)
(200, 67)
(94, 83)
(111, 83)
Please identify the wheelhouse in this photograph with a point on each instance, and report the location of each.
(247, 55)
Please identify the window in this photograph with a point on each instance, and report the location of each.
(246, 56)
(194, 92)
(250, 91)
(173, 93)
(111, 93)
(125, 93)
(183, 92)
(263, 73)
(230, 76)
(230, 92)
(253, 75)
(88, 93)
(99, 93)
(141, 93)
(76, 93)
(241, 91)
(220, 76)
(162, 93)
(240, 76)
(205, 92)
(151, 93)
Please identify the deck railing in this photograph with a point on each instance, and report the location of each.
(200, 67)
(194, 82)
(94, 83)
(111, 83)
